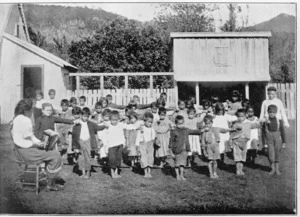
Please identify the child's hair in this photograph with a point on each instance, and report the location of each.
(154, 104)
(236, 93)
(219, 107)
(51, 91)
(208, 118)
(98, 104)
(46, 104)
(245, 102)
(114, 113)
(73, 99)
(180, 101)
(39, 92)
(272, 108)
(162, 110)
(148, 115)
(106, 112)
(133, 115)
(214, 98)
(64, 102)
(240, 111)
(76, 111)
(108, 95)
(83, 97)
(163, 94)
(178, 118)
(272, 89)
(249, 107)
(86, 111)
(136, 96)
(191, 109)
(205, 102)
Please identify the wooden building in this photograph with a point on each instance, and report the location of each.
(228, 60)
(24, 65)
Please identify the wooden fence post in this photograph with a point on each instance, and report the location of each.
(151, 86)
(77, 84)
(126, 88)
(102, 85)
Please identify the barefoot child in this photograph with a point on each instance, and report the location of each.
(162, 128)
(239, 138)
(210, 145)
(273, 140)
(147, 139)
(180, 146)
(84, 140)
(252, 144)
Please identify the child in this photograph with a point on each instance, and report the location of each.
(63, 129)
(147, 138)
(280, 115)
(39, 96)
(239, 138)
(97, 116)
(210, 144)
(206, 108)
(179, 145)
(111, 104)
(52, 99)
(181, 110)
(84, 140)
(222, 120)
(115, 142)
(252, 144)
(102, 135)
(73, 102)
(273, 140)
(245, 103)
(46, 123)
(162, 128)
(82, 101)
(76, 111)
(154, 111)
(236, 102)
(132, 141)
(193, 123)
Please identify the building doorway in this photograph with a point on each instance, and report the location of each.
(32, 80)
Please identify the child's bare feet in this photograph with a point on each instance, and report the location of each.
(242, 173)
(178, 178)
(86, 176)
(182, 178)
(149, 175)
(216, 176)
(283, 145)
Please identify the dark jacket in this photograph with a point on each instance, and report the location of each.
(47, 122)
(179, 140)
(93, 128)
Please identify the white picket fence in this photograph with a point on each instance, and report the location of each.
(121, 96)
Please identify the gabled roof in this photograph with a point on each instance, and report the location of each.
(259, 34)
(40, 52)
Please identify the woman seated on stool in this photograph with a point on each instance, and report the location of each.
(30, 147)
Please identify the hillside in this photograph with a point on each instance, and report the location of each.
(281, 23)
(58, 22)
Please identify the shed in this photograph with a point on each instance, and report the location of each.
(221, 59)
(24, 65)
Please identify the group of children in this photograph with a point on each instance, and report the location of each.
(173, 135)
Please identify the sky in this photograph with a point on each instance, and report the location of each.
(257, 12)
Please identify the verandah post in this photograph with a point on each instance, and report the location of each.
(247, 90)
(197, 90)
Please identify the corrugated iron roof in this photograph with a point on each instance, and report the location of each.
(40, 52)
(220, 34)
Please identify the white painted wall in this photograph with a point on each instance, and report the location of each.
(12, 58)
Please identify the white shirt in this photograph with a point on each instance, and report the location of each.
(147, 134)
(222, 121)
(84, 132)
(22, 132)
(281, 115)
(39, 103)
(55, 103)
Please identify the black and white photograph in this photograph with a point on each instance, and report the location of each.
(148, 108)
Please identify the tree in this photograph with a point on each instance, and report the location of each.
(121, 46)
(37, 38)
(184, 17)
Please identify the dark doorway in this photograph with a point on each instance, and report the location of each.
(32, 79)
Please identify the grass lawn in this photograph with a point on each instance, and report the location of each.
(255, 193)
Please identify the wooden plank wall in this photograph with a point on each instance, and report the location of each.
(286, 92)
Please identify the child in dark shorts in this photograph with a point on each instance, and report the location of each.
(273, 138)
(210, 144)
(179, 145)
